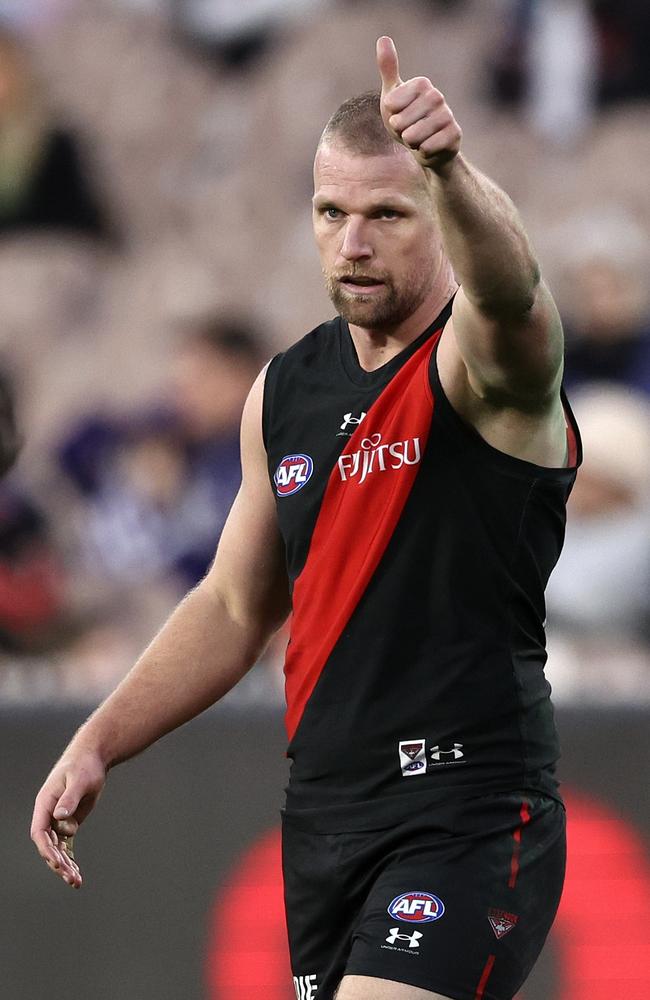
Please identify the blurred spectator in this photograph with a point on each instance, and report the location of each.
(598, 596)
(43, 181)
(31, 578)
(624, 34)
(562, 70)
(603, 578)
(608, 326)
(234, 33)
(157, 488)
(611, 336)
(578, 53)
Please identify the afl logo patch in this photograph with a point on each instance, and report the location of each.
(417, 907)
(293, 472)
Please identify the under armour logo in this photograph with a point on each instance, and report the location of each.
(349, 419)
(413, 939)
(447, 756)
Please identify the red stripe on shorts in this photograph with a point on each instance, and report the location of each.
(524, 815)
(482, 983)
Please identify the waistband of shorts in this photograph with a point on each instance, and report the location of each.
(386, 811)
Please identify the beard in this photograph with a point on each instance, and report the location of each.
(387, 308)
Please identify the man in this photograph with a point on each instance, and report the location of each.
(421, 455)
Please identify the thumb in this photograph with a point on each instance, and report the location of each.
(67, 804)
(388, 64)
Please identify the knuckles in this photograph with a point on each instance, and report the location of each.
(403, 95)
(445, 134)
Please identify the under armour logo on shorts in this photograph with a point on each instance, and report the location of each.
(413, 939)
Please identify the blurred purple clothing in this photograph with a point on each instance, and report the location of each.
(625, 361)
(127, 535)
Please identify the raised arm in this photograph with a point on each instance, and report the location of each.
(212, 638)
(505, 323)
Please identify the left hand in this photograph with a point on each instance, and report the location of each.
(415, 113)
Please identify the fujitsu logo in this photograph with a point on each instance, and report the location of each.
(374, 456)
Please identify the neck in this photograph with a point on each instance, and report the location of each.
(375, 347)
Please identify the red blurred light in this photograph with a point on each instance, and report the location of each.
(601, 934)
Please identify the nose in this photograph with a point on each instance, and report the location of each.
(355, 245)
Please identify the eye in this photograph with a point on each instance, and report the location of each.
(387, 213)
(331, 213)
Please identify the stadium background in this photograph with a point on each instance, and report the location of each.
(155, 248)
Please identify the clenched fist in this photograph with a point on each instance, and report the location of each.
(415, 113)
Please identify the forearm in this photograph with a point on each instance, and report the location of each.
(485, 240)
(199, 654)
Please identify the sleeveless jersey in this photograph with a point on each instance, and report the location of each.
(417, 556)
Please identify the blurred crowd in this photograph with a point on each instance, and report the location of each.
(155, 251)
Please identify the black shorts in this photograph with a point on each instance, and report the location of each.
(457, 900)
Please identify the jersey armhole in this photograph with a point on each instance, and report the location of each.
(481, 448)
(270, 383)
(574, 441)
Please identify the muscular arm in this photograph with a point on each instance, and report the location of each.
(505, 322)
(213, 637)
(505, 326)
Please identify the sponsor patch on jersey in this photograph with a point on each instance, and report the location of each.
(412, 758)
(501, 922)
(375, 457)
(293, 472)
(417, 907)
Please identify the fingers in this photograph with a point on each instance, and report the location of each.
(422, 106)
(66, 866)
(416, 135)
(388, 64)
(52, 838)
(415, 113)
(444, 144)
(41, 825)
(66, 827)
(55, 851)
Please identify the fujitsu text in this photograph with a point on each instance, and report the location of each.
(373, 456)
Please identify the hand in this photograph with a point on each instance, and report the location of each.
(415, 113)
(68, 795)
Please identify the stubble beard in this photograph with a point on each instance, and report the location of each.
(383, 310)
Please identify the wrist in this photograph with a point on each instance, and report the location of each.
(89, 740)
(446, 170)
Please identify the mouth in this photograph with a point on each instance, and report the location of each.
(361, 284)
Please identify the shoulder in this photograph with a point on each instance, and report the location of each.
(317, 343)
(315, 351)
(290, 375)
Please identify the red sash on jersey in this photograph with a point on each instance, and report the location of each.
(363, 501)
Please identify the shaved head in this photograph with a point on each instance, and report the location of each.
(357, 125)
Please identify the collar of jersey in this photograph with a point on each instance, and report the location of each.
(382, 375)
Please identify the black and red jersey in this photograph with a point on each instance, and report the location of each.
(417, 556)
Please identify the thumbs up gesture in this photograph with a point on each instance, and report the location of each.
(415, 113)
